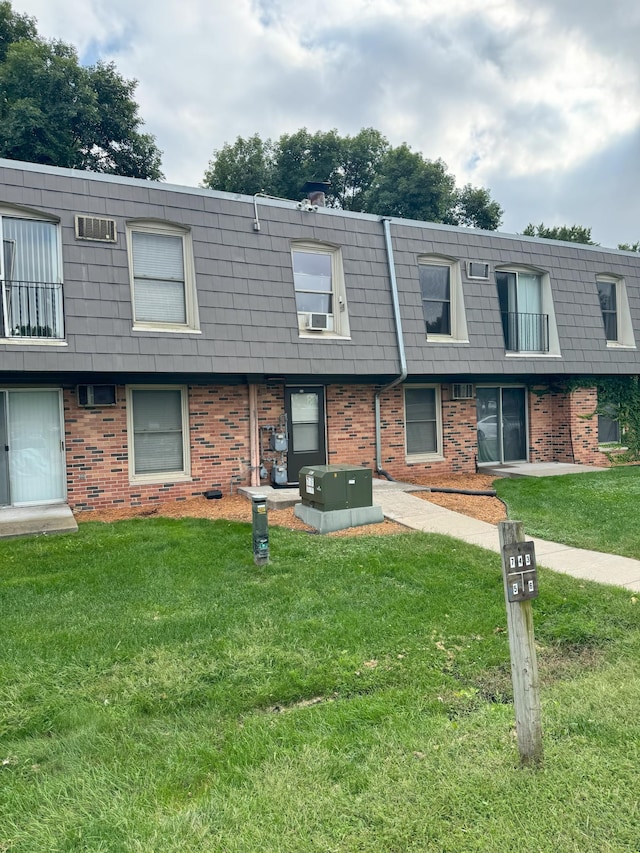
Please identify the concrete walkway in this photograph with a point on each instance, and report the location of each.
(398, 504)
(418, 514)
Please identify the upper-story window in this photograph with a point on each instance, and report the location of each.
(528, 320)
(615, 311)
(31, 277)
(442, 300)
(319, 289)
(162, 277)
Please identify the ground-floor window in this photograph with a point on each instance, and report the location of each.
(158, 420)
(608, 428)
(422, 420)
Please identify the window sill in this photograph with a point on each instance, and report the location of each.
(34, 342)
(170, 330)
(445, 339)
(323, 336)
(160, 479)
(619, 345)
(419, 458)
(532, 355)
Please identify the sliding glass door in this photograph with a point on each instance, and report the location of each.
(502, 424)
(32, 467)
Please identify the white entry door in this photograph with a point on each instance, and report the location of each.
(35, 447)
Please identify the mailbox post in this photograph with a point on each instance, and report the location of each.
(520, 578)
(260, 529)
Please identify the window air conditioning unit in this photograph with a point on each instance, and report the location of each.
(317, 322)
(96, 395)
(478, 270)
(462, 391)
(96, 228)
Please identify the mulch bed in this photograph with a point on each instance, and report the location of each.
(238, 508)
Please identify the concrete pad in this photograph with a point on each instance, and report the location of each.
(539, 469)
(30, 520)
(338, 519)
(276, 498)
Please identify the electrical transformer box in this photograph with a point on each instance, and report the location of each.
(331, 487)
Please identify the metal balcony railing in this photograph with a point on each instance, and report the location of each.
(32, 309)
(525, 332)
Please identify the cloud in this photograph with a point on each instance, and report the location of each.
(516, 95)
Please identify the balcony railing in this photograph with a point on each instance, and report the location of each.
(525, 332)
(32, 309)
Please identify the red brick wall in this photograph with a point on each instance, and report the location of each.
(98, 457)
(560, 429)
(97, 446)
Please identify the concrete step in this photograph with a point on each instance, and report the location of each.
(30, 520)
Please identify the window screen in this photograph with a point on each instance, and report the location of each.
(421, 420)
(158, 273)
(157, 431)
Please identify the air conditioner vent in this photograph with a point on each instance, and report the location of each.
(317, 322)
(462, 391)
(478, 270)
(95, 228)
(96, 395)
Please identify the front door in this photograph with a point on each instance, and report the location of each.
(32, 465)
(304, 406)
(502, 425)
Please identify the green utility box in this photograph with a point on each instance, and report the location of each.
(332, 487)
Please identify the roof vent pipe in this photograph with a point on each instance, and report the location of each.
(403, 360)
(316, 192)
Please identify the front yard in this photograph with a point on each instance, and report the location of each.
(160, 692)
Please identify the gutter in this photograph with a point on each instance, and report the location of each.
(403, 359)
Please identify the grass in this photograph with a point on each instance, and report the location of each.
(597, 511)
(160, 692)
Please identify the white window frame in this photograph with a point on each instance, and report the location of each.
(547, 308)
(457, 318)
(18, 212)
(625, 338)
(167, 229)
(436, 455)
(340, 315)
(161, 476)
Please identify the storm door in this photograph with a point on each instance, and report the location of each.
(305, 416)
(502, 425)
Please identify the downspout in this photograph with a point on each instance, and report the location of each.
(254, 443)
(403, 360)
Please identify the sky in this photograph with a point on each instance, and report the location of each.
(538, 100)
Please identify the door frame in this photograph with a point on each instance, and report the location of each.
(289, 390)
(6, 391)
(499, 423)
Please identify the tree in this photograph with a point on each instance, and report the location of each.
(364, 172)
(569, 233)
(57, 112)
(246, 166)
(630, 247)
(411, 187)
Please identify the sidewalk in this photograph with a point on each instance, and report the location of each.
(401, 506)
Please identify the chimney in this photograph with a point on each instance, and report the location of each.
(315, 191)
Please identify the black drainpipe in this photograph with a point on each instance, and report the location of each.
(403, 360)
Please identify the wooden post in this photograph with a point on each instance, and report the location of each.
(524, 665)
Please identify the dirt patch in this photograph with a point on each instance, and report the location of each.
(238, 508)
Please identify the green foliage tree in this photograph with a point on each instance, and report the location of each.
(630, 247)
(364, 172)
(569, 233)
(57, 112)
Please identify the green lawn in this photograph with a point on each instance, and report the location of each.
(597, 511)
(158, 692)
